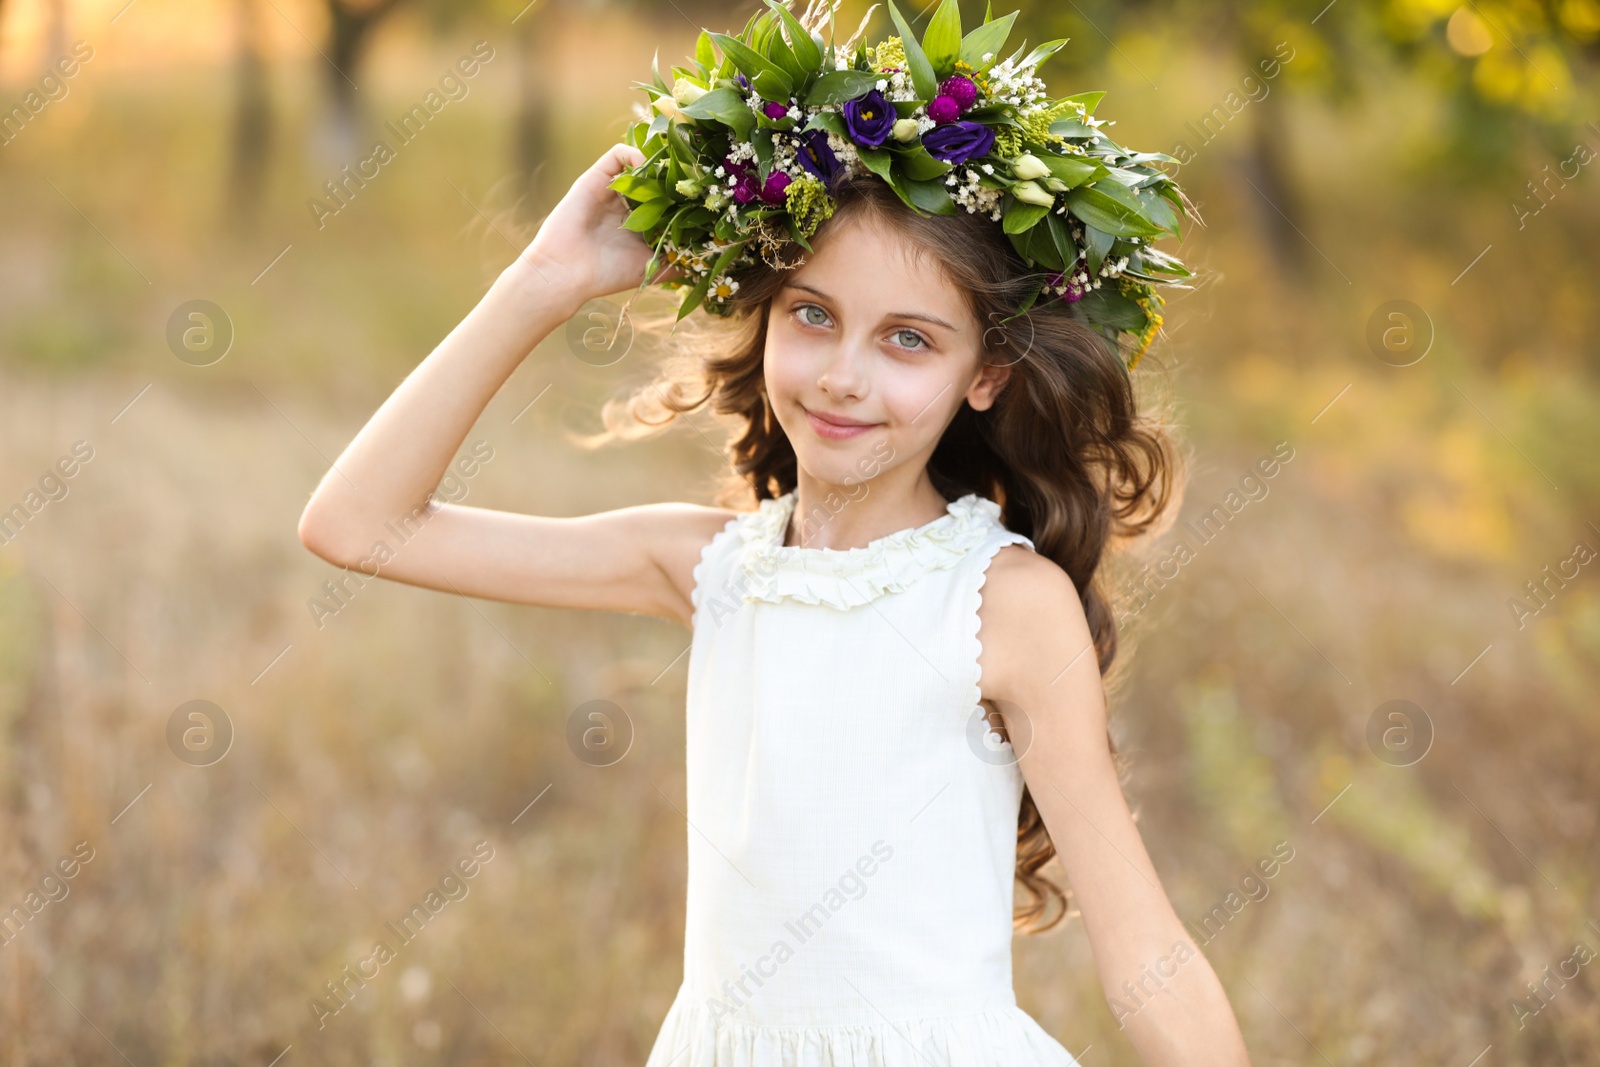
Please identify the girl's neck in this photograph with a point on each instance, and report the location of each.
(843, 517)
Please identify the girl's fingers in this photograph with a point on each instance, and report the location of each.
(620, 156)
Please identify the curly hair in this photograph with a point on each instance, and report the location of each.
(1065, 450)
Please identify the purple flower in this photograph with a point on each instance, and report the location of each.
(1074, 289)
(745, 189)
(775, 110)
(944, 109)
(870, 118)
(961, 88)
(817, 157)
(776, 189)
(958, 142)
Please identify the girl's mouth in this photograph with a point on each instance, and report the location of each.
(836, 431)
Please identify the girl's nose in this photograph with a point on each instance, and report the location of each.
(844, 374)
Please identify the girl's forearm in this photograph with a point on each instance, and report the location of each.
(1186, 1020)
(403, 451)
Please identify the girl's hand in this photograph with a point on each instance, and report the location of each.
(582, 248)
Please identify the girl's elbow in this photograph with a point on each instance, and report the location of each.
(320, 534)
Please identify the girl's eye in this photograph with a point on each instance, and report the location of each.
(905, 338)
(806, 309)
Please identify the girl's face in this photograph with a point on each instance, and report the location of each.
(870, 353)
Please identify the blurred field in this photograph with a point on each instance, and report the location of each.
(373, 751)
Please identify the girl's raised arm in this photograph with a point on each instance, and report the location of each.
(635, 559)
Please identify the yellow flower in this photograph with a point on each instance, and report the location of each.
(891, 53)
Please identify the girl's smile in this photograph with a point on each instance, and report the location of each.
(837, 427)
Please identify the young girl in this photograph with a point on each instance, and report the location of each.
(895, 700)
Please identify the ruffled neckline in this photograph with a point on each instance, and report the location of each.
(847, 578)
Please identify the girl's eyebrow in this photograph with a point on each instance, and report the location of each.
(897, 315)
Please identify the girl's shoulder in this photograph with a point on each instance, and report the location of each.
(1029, 614)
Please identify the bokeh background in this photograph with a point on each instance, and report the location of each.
(1398, 240)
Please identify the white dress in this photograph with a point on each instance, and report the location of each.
(852, 820)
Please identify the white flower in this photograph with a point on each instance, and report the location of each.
(686, 92)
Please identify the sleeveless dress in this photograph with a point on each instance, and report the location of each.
(852, 819)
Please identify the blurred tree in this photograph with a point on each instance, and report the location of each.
(251, 141)
(539, 23)
(1505, 71)
(350, 26)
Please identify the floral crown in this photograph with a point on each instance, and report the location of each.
(746, 150)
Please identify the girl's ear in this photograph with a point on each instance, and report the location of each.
(991, 380)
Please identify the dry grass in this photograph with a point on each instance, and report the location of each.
(376, 750)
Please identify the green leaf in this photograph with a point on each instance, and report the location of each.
(727, 106)
(646, 215)
(1020, 216)
(1071, 171)
(1150, 157)
(762, 141)
(1022, 242)
(773, 85)
(704, 54)
(831, 121)
(1043, 52)
(1158, 211)
(1043, 248)
(1095, 208)
(698, 293)
(879, 162)
(930, 196)
(1070, 128)
(781, 54)
(942, 43)
(1108, 307)
(1088, 99)
(678, 144)
(655, 70)
(987, 39)
(638, 187)
(919, 166)
(794, 232)
(1098, 243)
(837, 86)
(1061, 234)
(922, 76)
(805, 48)
(753, 64)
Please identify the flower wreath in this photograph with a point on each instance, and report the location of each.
(744, 151)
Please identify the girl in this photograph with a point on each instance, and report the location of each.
(895, 698)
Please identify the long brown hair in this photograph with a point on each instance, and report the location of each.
(1074, 464)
